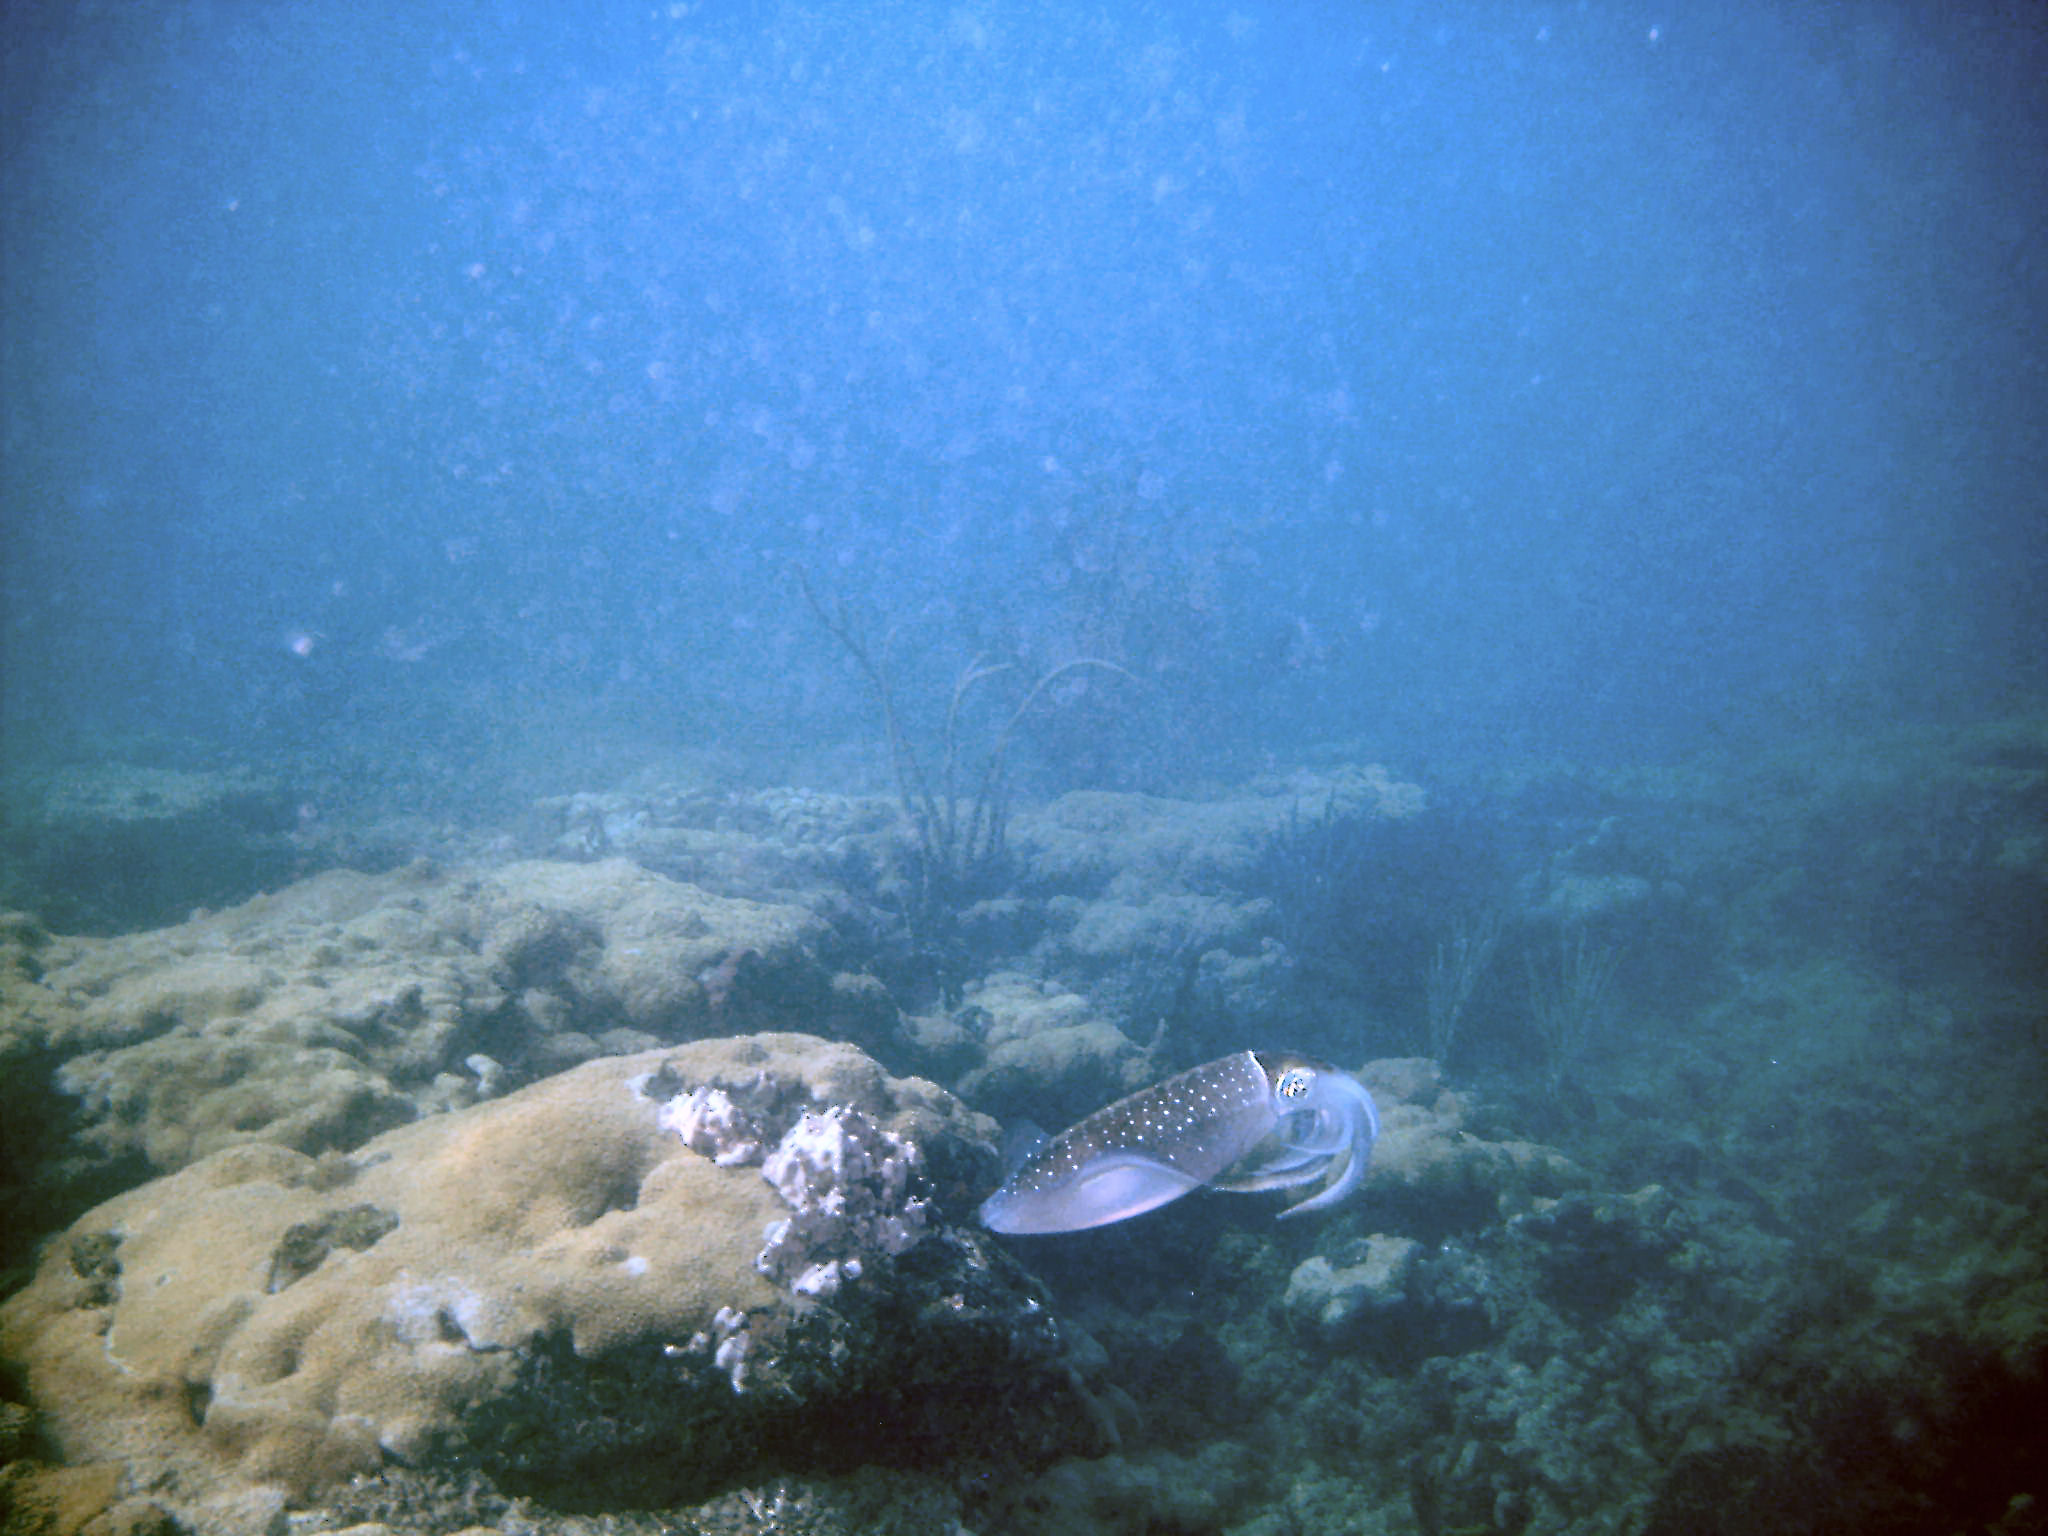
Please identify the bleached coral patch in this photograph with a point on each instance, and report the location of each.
(709, 1122)
(848, 1182)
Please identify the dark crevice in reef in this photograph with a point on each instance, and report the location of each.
(1961, 1450)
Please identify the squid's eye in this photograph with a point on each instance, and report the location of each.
(1294, 1082)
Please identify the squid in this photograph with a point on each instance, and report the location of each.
(1250, 1121)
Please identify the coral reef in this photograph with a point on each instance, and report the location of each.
(1768, 1258)
(545, 1289)
(769, 844)
(346, 1004)
(1085, 841)
(1040, 1041)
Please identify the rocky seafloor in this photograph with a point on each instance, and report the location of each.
(616, 1168)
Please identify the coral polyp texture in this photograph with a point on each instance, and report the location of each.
(339, 1007)
(541, 1287)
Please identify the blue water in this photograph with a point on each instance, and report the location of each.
(1613, 378)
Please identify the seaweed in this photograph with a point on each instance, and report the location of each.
(958, 811)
